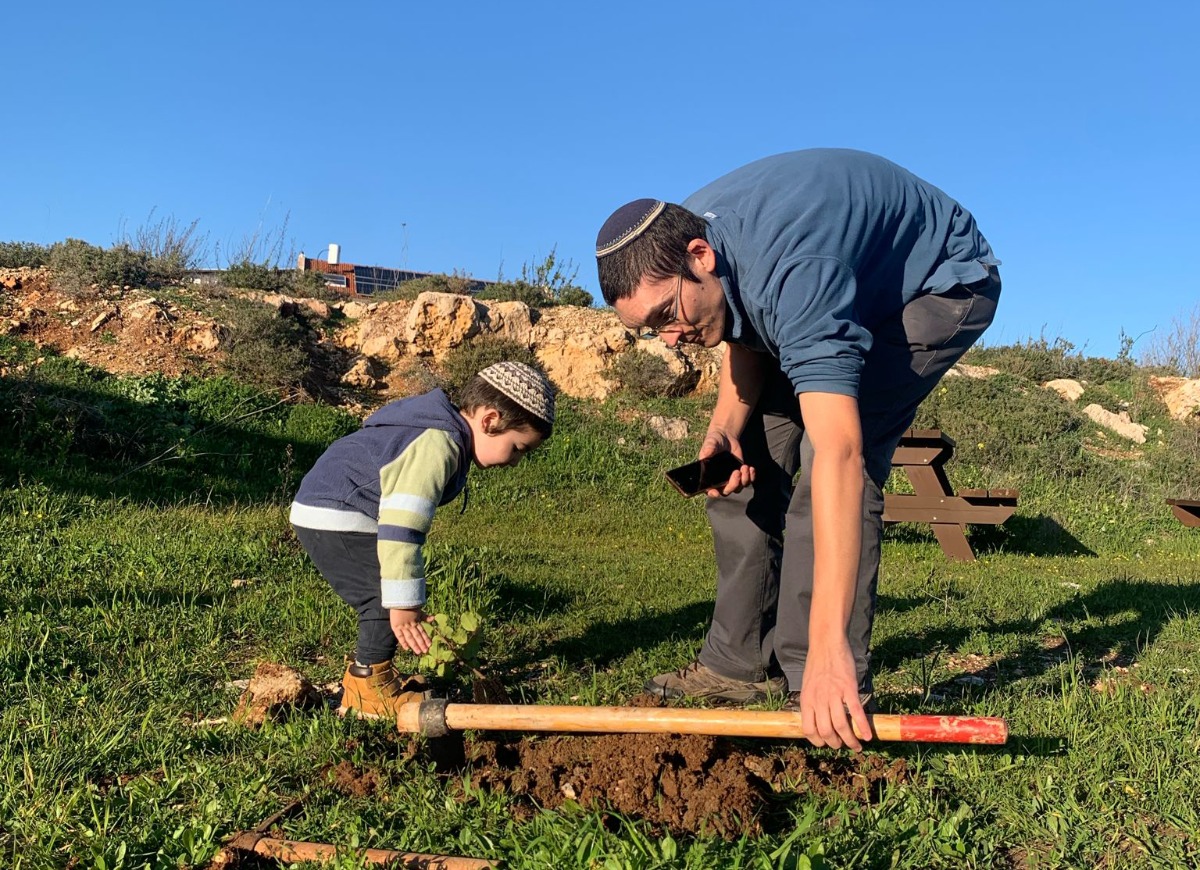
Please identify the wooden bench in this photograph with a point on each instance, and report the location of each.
(1187, 510)
(923, 453)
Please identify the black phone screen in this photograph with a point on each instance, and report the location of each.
(704, 474)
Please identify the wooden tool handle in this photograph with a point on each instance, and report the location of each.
(678, 720)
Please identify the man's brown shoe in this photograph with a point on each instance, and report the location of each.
(378, 691)
(697, 681)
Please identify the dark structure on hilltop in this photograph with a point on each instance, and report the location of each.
(355, 280)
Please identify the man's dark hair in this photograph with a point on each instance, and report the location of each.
(661, 251)
(478, 393)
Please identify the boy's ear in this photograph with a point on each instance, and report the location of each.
(489, 420)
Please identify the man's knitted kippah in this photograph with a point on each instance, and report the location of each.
(525, 385)
(626, 224)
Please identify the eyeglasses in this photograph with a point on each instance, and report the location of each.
(651, 330)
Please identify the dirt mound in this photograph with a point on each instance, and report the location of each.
(684, 784)
(273, 691)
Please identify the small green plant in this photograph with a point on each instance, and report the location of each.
(452, 643)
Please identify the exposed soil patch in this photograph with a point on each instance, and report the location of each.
(684, 784)
(273, 691)
(352, 782)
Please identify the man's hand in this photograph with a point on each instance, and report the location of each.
(714, 442)
(829, 699)
(406, 625)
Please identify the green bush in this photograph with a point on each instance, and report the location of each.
(471, 357)
(1040, 360)
(541, 285)
(643, 375)
(515, 291)
(78, 266)
(247, 275)
(17, 255)
(1002, 423)
(426, 284)
(264, 349)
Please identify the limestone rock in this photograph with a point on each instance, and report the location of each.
(576, 346)
(1069, 389)
(365, 374)
(103, 317)
(203, 336)
(969, 371)
(670, 428)
(510, 320)
(381, 335)
(355, 309)
(1180, 395)
(1118, 423)
(439, 322)
(682, 371)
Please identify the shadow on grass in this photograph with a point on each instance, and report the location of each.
(72, 432)
(1030, 536)
(605, 642)
(1107, 627)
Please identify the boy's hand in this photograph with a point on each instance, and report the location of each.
(406, 625)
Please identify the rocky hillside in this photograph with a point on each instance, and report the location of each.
(381, 348)
(373, 346)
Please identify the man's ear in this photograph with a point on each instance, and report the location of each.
(704, 255)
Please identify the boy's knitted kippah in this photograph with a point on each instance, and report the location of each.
(626, 224)
(525, 385)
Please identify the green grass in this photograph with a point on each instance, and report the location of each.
(121, 624)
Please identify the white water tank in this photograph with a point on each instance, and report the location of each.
(335, 251)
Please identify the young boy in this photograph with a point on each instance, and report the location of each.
(364, 509)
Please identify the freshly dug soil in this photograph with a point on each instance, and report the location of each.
(273, 691)
(684, 784)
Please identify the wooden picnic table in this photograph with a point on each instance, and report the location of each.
(1187, 510)
(923, 454)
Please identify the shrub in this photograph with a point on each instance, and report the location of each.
(426, 284)
(541, 285)
(477, 354)
(171, 248)
(643, 375)
(1178, 349)
(1001, 423)
(247, 275)
(1040, 360)
(17, 255)
(263, 348)
(79, 265)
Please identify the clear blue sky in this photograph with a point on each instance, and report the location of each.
(477, 137)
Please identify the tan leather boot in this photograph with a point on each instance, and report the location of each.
(378, 691)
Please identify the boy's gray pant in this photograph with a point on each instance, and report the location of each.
(764, 589)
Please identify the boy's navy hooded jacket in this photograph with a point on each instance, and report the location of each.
(386, 479)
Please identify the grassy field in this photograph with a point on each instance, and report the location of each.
(146, 562)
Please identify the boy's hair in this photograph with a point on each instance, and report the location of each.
(640, 240)
(521, 394)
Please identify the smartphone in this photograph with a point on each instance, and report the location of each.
(704, 474)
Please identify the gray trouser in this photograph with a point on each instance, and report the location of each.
(764, 589)
(349, 562)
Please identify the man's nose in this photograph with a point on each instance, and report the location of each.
(671, 339)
